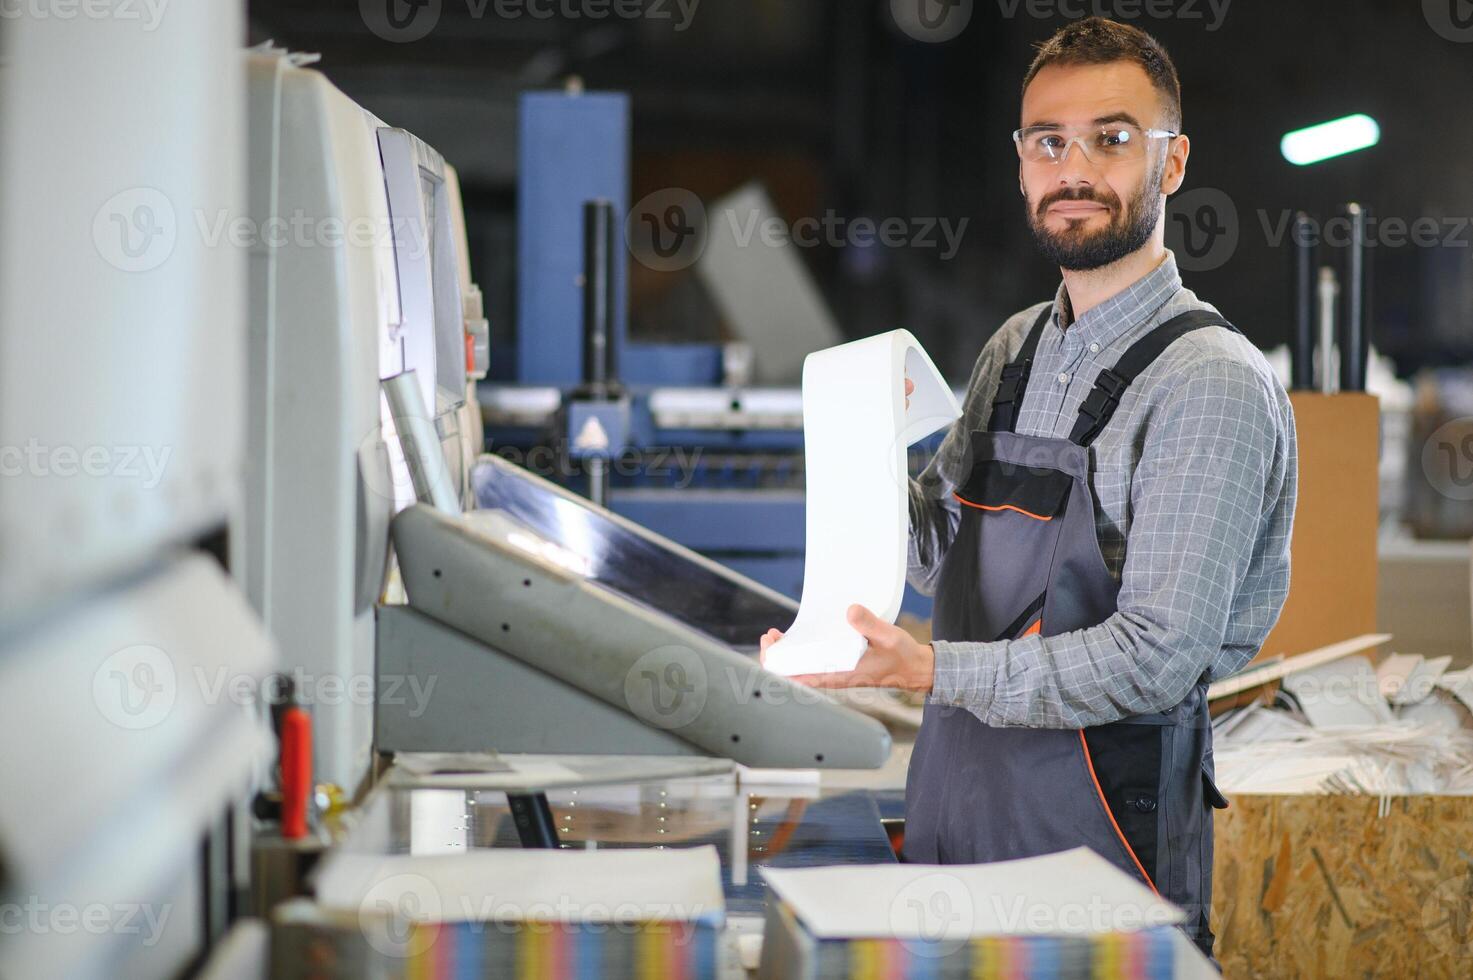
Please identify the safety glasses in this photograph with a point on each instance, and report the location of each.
(1107, 144)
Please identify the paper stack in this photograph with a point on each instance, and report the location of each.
(1404, 726)
(1070, 914)
(509, 913)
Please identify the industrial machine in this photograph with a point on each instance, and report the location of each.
(374, 287)
(701, 442)
(130, 661)
(274, 475)
(524, 619)
(330, 324)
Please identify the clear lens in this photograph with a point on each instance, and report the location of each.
(1117, 141)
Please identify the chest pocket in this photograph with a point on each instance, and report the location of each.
(998, 487)
(1012, 510)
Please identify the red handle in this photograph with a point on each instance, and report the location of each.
(296, 772)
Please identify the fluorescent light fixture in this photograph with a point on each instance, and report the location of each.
(1330, 139)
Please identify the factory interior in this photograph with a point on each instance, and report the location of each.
(735, 489)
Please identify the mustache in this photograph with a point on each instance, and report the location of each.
(1077, 194)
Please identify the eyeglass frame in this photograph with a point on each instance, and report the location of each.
(1150, 134)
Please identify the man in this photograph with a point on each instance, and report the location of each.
(1107, 526)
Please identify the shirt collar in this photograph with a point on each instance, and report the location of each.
(1128, 308)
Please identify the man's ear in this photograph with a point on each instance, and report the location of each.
(1175, 171)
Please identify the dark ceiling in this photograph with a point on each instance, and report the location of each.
(835, 107)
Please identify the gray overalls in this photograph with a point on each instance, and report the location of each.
(1026, 559)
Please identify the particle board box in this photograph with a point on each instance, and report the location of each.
(1344, 886)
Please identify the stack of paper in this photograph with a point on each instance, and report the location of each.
(608, 912)
(1071, 914)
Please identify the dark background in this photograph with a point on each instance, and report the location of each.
(834, 107)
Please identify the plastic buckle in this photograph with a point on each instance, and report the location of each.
(1104, 396)
(1014, 376)
(1111, 384)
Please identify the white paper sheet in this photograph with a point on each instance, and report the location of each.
(856, 430)
(1460, 684)
(528, 885)
(1073, 892)
(1406, 678)
(1345, 692)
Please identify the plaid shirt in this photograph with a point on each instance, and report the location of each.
(1194, 480)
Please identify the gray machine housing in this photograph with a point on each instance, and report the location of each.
(525, 654)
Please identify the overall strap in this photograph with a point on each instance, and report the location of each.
(1100, 404)
(1014, 383)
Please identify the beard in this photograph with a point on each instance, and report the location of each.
(1078, 250)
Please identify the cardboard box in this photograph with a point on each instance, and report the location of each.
(1332, 588)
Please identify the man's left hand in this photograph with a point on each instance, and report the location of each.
(893, 658)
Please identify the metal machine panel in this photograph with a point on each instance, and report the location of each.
(628, 559)
(432, 334)
(319, 487)
(500, 582)
(441, 691)
(122, 368)
(115, 293)
(130, 723)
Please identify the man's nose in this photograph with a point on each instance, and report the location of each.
(1075, 166)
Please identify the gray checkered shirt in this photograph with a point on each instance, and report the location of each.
(1194, 480)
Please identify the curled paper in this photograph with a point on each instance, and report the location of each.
(856, 430)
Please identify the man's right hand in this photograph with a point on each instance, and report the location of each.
(768, 639)
(910, 388)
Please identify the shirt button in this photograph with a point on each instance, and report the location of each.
(1094, 348)
(1063, 379)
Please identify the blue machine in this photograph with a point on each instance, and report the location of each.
(574, 147)
(714, 467)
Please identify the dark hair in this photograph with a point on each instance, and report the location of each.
(1097, 41)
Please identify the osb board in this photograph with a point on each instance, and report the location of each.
(1321, 886)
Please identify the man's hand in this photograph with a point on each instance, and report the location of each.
(910, 387)
(893, 658)
(768, 639)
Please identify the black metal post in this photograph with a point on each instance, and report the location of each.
(1354, 340)
(533, 816)
(598, 293)
(1302, 273)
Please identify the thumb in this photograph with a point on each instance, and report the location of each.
(867, 624)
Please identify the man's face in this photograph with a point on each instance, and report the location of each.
(1086, 213)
